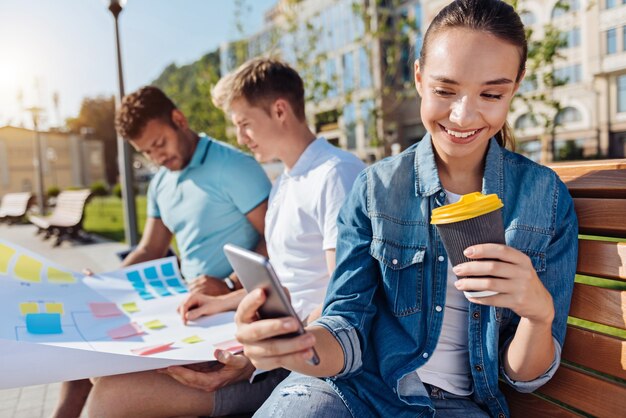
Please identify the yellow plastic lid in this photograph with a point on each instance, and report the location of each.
(469, 206)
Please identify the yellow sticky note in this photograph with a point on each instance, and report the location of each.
(155, 324)
(28, 269)
(29, 307)
(60, 277)
(52, 307)
(130, 307)
(6, 253)
(193, 339)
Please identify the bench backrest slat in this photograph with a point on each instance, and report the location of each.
(15, 204)
(533, 406)
(593, 395)
(604, 217)
(595, 351)
(596, 304)
(602, 259)
(604, 179)
(70, 205)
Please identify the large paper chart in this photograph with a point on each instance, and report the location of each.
(58, 325)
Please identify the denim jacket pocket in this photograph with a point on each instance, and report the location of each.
(538, 259)
(402, 267)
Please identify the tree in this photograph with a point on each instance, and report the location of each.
(97, 116)
(542, 104)
(189, 86)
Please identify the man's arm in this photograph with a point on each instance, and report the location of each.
(257, 218)
(330, 264)
(154, 243)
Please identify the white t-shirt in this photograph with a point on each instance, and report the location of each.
(301, 220)
(448, 368)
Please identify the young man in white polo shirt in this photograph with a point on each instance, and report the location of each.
(265, 100)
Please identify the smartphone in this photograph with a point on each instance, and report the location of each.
(255, 271)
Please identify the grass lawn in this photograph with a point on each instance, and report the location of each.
(104, 217)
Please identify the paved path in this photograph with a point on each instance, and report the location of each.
(39, 401)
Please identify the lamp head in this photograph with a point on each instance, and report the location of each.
(116, 6)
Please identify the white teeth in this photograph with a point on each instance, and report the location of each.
(461, 134)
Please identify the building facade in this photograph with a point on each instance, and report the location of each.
(356, 57)
(68, 160)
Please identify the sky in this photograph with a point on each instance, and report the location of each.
(68, 47)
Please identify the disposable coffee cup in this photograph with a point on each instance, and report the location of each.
(475, 219)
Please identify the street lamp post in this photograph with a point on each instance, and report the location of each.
(124, 148)
(38, 162)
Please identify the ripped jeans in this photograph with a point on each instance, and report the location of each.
(309, 397)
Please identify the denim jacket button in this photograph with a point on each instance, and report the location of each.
(425, 355)
(394, 261)
(441, 258)
(478, 368)
(501, 415)
(438, 308)
(476, 315)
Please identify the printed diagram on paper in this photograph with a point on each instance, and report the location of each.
(131, 311)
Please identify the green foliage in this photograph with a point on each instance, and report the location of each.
(53, 191)
(117, 190)
(104, 217)
(189, 86)
(97, 116)
(98, 188)
(543, 55)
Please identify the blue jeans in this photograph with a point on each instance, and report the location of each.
(308, 397)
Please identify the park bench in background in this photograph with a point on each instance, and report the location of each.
(591, 380)
(13, 206)
(67, 218)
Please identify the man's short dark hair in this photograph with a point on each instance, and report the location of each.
(141, 107)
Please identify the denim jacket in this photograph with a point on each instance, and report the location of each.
(384, 302)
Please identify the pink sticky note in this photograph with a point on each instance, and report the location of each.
(124, 331)
(104, 309)
(153, 349)
(230, 345)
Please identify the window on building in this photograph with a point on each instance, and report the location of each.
(624, 37)
(572, 38)
(528, 18)
(568, 75)
(348, 71)
(621, 93)
(568, 115)
(611, 41)
(365, 72)
(527, 120)
(609, 4)
(349, 123)
(368, 116)
(564, 7)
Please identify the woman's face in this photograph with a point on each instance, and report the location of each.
(466, 86)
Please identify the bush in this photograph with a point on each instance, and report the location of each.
(117, 190)
(53, 191)
(98, 188)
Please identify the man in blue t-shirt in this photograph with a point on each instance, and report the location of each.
(206, 194)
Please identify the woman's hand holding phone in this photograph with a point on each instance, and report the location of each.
(257, 337)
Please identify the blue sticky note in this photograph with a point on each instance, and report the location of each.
(139, 285)
(176, 285)
(160, 288)
(167, 269)
(151, 273)
(145, 295)
(44, 323)
(133, 276)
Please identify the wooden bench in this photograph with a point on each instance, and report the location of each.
(67, 218)
(13, 206)
(591, 380)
